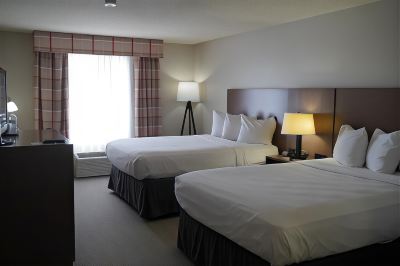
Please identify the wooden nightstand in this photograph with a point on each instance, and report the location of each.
(284, 159)
(276, 159)
(281, 159)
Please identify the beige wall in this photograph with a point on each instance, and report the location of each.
(17, 58)
(177, 65)
(357, 47)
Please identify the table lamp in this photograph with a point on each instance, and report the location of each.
(188, 92)
(298, 124)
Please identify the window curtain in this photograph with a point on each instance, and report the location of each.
(147, 101)
(50, 78)
(61, 42)
(101, 97)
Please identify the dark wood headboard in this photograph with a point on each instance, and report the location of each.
(369, 108)
(262, 103)
(358, 107)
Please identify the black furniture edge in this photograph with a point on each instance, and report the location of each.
(37, 223)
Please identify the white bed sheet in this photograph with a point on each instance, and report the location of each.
(289, 213)
(157, 157)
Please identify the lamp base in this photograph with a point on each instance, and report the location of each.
(299, 154)
(298, 146)
(292, 154)
(189, 110)
(12, 129)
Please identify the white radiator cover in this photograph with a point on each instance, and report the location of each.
(91, 164)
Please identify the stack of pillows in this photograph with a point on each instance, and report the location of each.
(242, 128)
(382, 154)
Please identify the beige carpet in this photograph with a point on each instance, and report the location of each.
(109, 232)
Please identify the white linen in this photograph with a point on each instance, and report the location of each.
(157, 157)
(232, 126)
(218, 123)
(256, 131)
(351, 146)
(383, 153)
(288, 213)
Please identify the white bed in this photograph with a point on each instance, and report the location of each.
(158, 157)
(294, 212)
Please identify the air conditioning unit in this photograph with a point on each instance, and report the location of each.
(91, 164)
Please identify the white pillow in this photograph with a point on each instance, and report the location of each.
(384, 152)
(232, 126)
(351, 146)
(255, 131)
(218, 123)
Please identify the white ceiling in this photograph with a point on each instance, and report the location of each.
(178, 21)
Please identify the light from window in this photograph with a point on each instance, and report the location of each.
(100, 100)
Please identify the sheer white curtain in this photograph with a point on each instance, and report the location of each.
(101, 100)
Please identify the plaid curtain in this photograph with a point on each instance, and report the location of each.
(147, 100)
(58, 42)
(50, 78)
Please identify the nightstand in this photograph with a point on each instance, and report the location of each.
(284, 159)
(276, 159)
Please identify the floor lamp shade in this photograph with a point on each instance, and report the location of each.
(188, 91)
(298, 124)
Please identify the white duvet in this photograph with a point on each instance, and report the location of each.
(157, 157)
(288, 213)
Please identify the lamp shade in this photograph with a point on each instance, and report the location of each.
(298, 124)
(11, 107)
(188, 91)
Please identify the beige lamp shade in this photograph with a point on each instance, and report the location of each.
(298, 124)
(188, 91)
(11, 107)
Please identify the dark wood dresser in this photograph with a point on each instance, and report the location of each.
(37, 200)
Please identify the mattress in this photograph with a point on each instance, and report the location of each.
(289, 213)
(158, 157)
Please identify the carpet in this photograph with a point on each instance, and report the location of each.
(109, 232)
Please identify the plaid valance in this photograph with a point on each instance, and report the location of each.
(57, 42)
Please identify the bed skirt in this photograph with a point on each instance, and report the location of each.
(151, 198)
(208, 248)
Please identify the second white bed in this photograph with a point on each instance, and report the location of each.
(158, 157)
(294, 212)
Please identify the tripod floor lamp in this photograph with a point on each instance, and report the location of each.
(188, 92)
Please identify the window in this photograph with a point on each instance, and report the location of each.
(101, 100)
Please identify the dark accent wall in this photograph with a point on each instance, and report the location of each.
(262, 103)
(359, 107)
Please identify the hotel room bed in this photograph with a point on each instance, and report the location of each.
(285, 214)
(144, 169)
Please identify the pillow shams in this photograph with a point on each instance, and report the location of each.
(255, 131)
(351, 146)
(384, 152)
(218, 123)
(232, 126)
